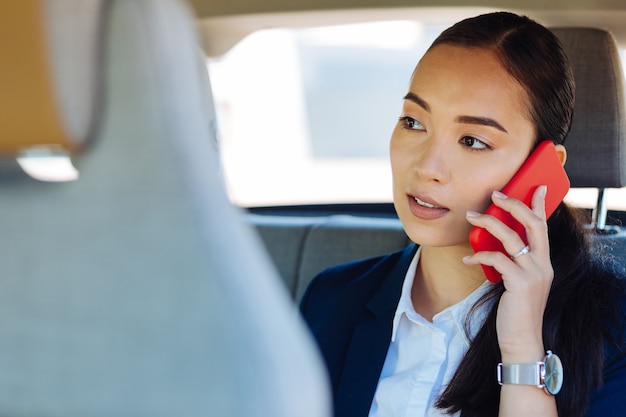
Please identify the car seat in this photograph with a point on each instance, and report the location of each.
(596, 144)
(137, 289)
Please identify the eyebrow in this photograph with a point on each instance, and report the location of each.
(485, 121)
(418, 100)
(474, 120)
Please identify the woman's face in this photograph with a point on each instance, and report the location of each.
(464, 131)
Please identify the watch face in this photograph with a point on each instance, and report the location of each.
(554, 374)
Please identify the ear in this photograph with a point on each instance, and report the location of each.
(562, 153)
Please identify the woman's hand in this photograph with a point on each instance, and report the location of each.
(527, 277)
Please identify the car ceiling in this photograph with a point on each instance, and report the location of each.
(224, 23)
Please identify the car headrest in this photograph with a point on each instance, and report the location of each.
(48, 95)
(596, 144)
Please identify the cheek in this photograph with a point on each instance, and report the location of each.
(481, 199)
(478, 189)
(398, 155)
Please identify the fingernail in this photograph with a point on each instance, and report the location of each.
(472, 214)
(466, 258)
(543, 190)
(498, 194)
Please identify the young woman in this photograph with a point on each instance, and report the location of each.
(421, 332)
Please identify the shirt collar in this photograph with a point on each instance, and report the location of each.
(459, 311)
(405, 304)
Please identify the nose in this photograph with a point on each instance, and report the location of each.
(433, 161)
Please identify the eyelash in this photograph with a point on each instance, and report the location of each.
(486, 147)
(407, 120)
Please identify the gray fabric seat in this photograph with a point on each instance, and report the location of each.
(301, 247)
(596, 144)
(137, 290)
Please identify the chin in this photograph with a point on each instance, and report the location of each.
(437, 237)
(431, 239)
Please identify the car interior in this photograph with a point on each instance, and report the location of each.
(137, 286)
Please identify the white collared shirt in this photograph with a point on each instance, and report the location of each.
(423, 356)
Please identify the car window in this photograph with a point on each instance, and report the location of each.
(305, 115)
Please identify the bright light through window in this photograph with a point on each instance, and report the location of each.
(306, 115)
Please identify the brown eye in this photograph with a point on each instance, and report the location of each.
(411, 123)
(473, 143)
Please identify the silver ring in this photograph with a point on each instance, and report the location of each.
(521, 252)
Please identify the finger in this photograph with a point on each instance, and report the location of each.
(537, 230)
(532, 219)
(509, 238)
(517, 208)
(514, 275)
(538, 202)
(499, 261)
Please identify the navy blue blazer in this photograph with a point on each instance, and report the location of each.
(349, 309)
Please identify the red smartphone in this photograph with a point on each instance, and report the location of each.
(542, 167)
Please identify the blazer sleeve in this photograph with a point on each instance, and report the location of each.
(610, 399)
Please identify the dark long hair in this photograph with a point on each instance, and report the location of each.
(584, 302)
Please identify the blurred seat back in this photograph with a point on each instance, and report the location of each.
(596, 144)
(136, 290)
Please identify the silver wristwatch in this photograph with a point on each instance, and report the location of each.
(547, 374)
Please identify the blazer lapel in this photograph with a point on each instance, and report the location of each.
(369, 344)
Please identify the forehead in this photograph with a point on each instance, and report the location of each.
(469, 78)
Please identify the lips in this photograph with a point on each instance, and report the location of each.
(426, 208)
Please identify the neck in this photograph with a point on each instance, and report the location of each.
(442, 279)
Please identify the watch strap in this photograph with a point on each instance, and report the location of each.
(546, 374)
(522, 373)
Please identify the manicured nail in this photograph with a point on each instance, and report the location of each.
(498, 194)
(543, 190)
(466, 258)
(472, 214)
